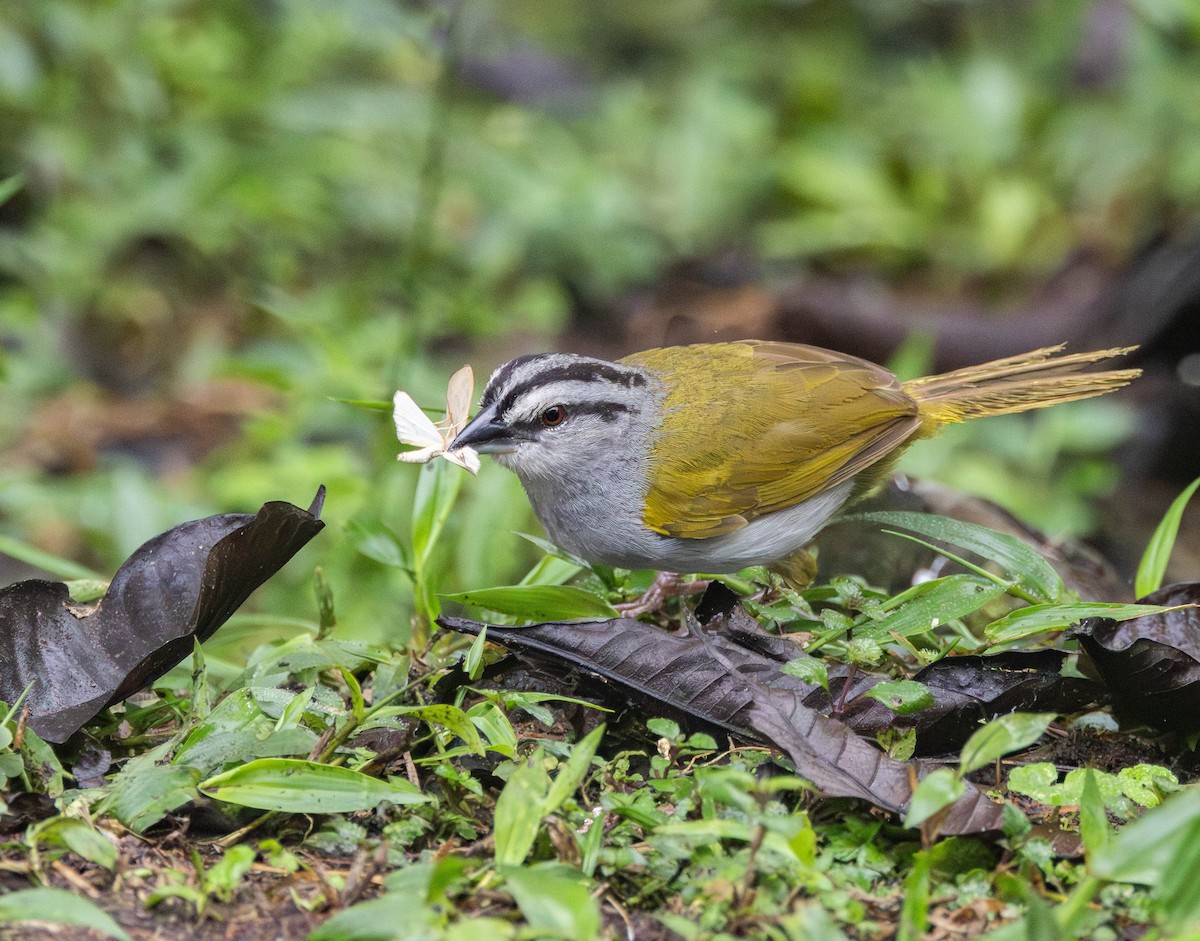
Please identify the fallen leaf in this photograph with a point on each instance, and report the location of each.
(1152, 663)
(178, 587)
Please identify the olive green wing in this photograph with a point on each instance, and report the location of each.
(784, 423)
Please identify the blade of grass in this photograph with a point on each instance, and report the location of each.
(1153, 566)
(1017, 558)
(63, 568)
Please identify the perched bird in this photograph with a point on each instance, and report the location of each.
(714, 457)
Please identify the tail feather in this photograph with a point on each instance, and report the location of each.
(1015, 384)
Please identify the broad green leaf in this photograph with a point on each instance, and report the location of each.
(556, 900)
(58, 907)
(1146, 849)
(11, 765)
(1070, 792)
(1018, 559)
(1153, 566)
(76, 835)
(1177, 894)
(1043, 618)
(538, 602)
(1038, 780)
(449, 717)
(940, 788)
(145, 791)
(930, 604)
(572, 774)
(1001, 736)
(306, 787)
(903, 697)
(1145, 784)
(519, 811)
(237, 730)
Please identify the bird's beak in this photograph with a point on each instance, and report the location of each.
(487, 434)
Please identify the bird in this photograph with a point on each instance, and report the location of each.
(714, 457)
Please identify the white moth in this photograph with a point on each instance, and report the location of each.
(414, 427)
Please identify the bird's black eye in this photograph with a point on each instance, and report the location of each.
(554, 415)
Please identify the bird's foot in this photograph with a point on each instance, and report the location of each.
(665, 585)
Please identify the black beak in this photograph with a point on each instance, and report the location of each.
(487, 434)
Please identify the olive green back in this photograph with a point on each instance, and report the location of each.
(750, 428)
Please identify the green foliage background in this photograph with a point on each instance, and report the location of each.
(332, 198)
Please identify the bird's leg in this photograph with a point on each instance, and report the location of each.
(665, 585)
(841, 700)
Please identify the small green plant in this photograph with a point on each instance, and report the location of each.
(218, 882)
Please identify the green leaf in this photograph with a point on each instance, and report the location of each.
(1093, 817)
(473, 661)
(63, 568)
(903, 697)
(449, 717)
(1147, 849)
(1018, 559)
(940, 788)
(376, 405)
(236, 730)
(59, 907)
(914, 911)
(11, 765)
(496, 728)
(306, 787)
(226, 874)
(1001, 736)
(1153, 566)
(519, 811)
(374, 540)
(1145, 784)
(76, 835)
(437, 488)
(402, 912)
(538, 602)
(1178, 892)
(556, 901)
(1042, 618)
(10, 186)
(572, 774)
(930, 604)
(810, 669)
(144, 792)
(1038, 780)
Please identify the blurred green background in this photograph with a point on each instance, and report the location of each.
(223, 216)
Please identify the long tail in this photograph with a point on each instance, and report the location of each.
(1015, 384)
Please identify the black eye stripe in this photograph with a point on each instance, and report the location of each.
(607, 411)
(587, 371)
